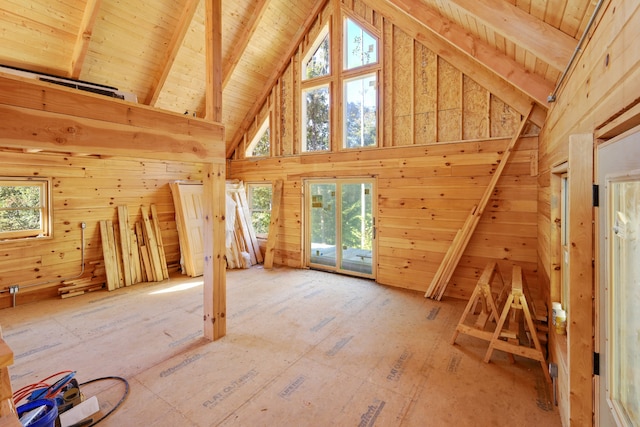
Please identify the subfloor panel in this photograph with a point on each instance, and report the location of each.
(303, 348)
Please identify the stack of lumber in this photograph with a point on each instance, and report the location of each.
(242, 250)
(242, 244)
(133, 254)
(93, 281)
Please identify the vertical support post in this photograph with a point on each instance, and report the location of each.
(580, 311)
(215, 288)
(213, 48)
(214, 203)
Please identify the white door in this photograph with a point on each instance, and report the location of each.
(618, 166)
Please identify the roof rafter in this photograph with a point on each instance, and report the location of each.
(534, 35)
(241, 44)
(171, 53)
(83, 38)
(496, 69)
(278, 69)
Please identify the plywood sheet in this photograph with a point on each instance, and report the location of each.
(504, 119)
(449, 102)
(402, 108)
(476, 110)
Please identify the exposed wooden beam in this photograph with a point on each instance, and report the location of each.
(83, 39)
(213, 48)
(241, 44)
(42, 116)
(532, 34)
(171, 53)
(494, 71)
(278, 69)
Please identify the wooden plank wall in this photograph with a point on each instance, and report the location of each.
(85, 189)
(441, 135)
(604, 83)
(424, 195)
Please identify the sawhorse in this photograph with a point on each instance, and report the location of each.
(482, 295)
(515, 306)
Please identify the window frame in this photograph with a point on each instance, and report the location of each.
(266, 125)
(46, 216)
(325, 32)
(336, 81)
(359, 72)
(365, 28)
(345, 111)
(303, 116)
(559, 235)
(249, 186)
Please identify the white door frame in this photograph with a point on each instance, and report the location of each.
(307, 228)
(615, 159)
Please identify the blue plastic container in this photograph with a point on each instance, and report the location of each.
(48, 419)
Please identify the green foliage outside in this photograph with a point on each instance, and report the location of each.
(362, 45)
(318, 64)
(262, 147)
(360, 125)
(260, 207)
(357, 229)
(323, 214)
(317, 100)
(317, 119)
(19, 208)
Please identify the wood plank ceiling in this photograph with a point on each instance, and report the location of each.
(155, 48)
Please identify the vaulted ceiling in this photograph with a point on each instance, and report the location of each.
(155, 49)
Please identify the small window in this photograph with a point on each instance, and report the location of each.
(259, 199)
(564, 242)
(361, 48)
(360, 111)
(260, 146)
(315, 118)
(316, 62)
(24, 208)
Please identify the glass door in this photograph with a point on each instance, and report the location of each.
(619, 258)
(340, 225)
(323, 227)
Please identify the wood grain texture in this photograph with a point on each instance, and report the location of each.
(424, 195)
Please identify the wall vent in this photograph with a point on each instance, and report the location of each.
(72, 83)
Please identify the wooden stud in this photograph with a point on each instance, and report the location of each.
(156, 227)
(252, 234)
(116, 249)
(152, 245)
(125, 245)
(274, 224)
(147, 274)
(109, 256)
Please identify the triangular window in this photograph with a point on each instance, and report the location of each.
(316, 62)
(361, 48)
(261, 144)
